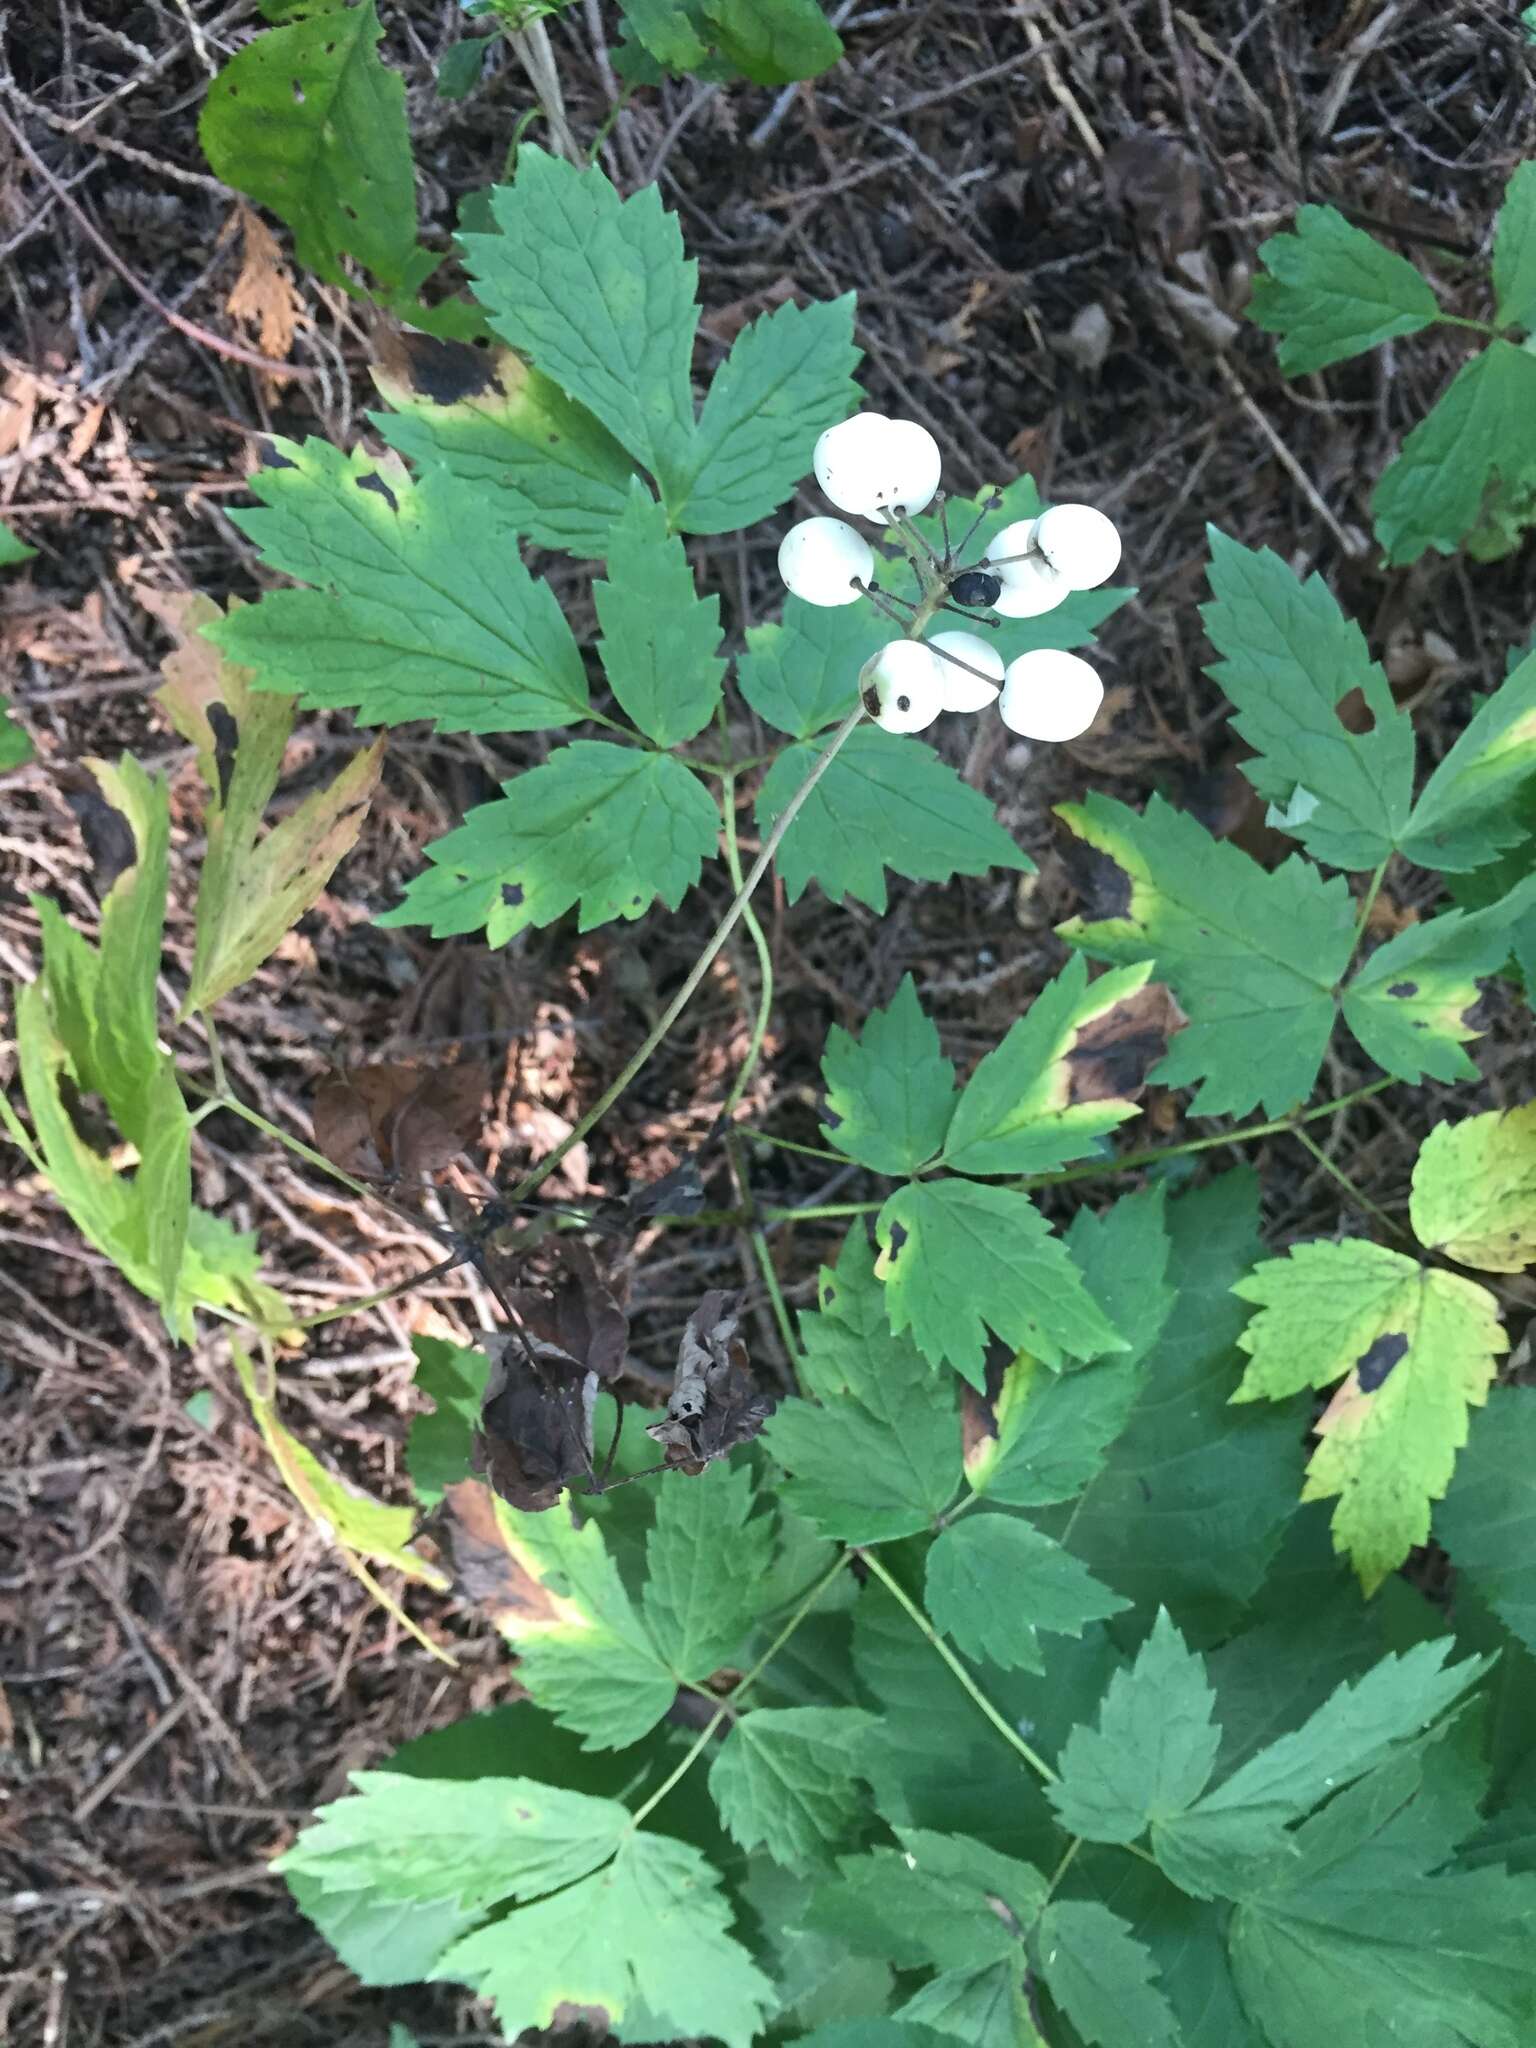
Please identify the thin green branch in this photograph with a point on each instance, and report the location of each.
(925, 1627)
(697, 1747)
(701, 966)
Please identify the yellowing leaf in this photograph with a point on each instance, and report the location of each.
(1474, 1190)
(355, 1520)
(252, 889)
(1413, 1350)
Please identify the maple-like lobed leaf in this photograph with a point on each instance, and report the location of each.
(1330, 291)
(889, 1093)
(994, 1584)
(598, 827)
(660, 639)
(787, 1780)
(1481, 429)
(1474, 1190)
(1071, 1069)
(1414, 1349)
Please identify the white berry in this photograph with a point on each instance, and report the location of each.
(1080, 543)
(961, 690)
(1030, 587)
(1050, 695)
(820, 558)
(909, 468)
(1015, 539)
(847, 460)
(902, 686)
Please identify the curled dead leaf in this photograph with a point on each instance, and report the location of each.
(714, 1404)
(535, 1433)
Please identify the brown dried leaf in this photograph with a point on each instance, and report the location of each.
(263, 295)
(391, 1119)
(714, 1405)
(535, 1433)
(579, 1321)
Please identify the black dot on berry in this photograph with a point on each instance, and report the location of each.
(903, 703)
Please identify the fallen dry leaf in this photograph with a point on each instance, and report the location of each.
(391, 1120)
(263, 296)
(714, 1405)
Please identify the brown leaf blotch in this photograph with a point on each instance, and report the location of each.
(1112, 1054)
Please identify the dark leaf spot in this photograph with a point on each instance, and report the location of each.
(826, 1115)
(898, 1237)
(107, 834)
(1146, 1491)
(828, 1295)
(1102, 884)
(226, 738)
(1403, 989)
(273, 458)
(374, 482)
(512, 894)
(1111, 1055)
(1372, 1366)
(446, 371)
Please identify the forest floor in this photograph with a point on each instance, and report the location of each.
(1049, 214)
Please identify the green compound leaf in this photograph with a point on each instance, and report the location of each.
(661, 640)
(706, 1559)
(803, 674)
(473, 1842)
(1470, 811)
(13, 548)
(994, 1583)
(453, 1377)
(1253, 957)
(596, 292)
(886, 802)
(786, 1780)
(1514, 251)
(1415, 1350)
(421, 607)
(960, 1257)
(585, 1653)
(1102, 1977)
(1487, 1520)
(1474, 1190)
(252, 888)
(1482, 427)
(890, 1092)
(1215, 1847)
(935, 1902)
(1189, 1507)
(776, 44)
(1153, 1749)
(1353, 1926)
(1068, 1071)
(789, 376)
(875, 1452)
(1331, 291)
(644, 1942)
(1290, 656)
(556, 474)
(1411, 1004)
(605, 827)
(16, 748)
(1042, 1437)
(308, 121)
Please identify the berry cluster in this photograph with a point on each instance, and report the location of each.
(886, 471)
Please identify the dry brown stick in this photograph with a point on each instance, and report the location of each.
(203, 336)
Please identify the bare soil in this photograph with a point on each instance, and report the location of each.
(1050, 215)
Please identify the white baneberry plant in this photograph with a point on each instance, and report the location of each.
(1040, 1668)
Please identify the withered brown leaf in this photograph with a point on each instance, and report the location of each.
(713, 1405)
(395, 1121)
(535, 1433)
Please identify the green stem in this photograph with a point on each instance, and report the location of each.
(697, 1747)
(1276, 1125)
(1361, 1200)
(701, 966)
(367, 1301)
(921, 1622)
(1363, 918)
(789, 1145)
(764, 957)
(774, 1291)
